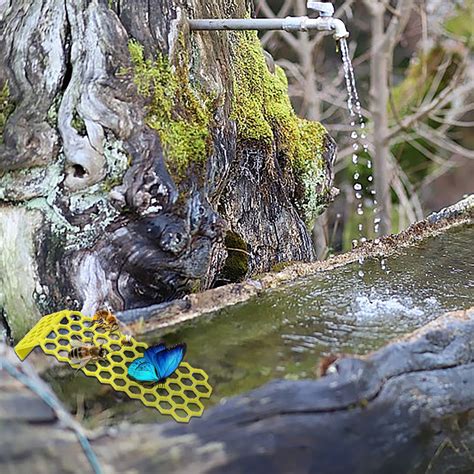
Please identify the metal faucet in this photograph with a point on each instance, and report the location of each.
(325, 22)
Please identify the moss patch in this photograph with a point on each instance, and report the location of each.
(263, 112)
(175, 110)
(6, 107)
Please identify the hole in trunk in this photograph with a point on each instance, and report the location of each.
(78, 171)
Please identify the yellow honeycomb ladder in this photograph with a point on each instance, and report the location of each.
(180, 396)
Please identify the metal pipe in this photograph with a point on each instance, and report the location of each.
(300, 23)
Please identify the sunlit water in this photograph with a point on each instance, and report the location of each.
(284, 333)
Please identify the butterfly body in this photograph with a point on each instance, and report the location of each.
(157, 364)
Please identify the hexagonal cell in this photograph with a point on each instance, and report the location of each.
(119, 382)
(189, 394)
(177, 400)
(50, 346)
(51, 335)
(88, 334)
(63, 330)
(114, 347)
(118, 370)
(164, 405)
(174, 386)
(198, 376)
(194, 407)
(135, 389)
(129, 355)
(182, 414)
(184, 369)
(63, 342)
(187, 381)
(150, 397)
(162, 392)
(116, 358)
(65, 320)
(63, 354)
(104, 375)
(202, 388)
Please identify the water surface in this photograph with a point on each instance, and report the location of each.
(284, 333)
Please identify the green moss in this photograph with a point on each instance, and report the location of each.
(78, 124)
(6, 107)
(263, 112)
(236, 264)
(175, 110)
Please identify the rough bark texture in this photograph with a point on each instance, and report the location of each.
(121, 208)
(405, 408)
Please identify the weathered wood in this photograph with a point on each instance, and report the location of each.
(405, 408)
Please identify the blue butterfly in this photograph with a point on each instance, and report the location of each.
(157, 364)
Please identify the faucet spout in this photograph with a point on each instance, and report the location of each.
(328, 24)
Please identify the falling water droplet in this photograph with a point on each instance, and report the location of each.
(356, 176)
(354, 243)
(355, 159)
(376, 220)
(358, 187)
(370, 179)
(369, 164)
(363, 136)
(358, 196)
(361, 273)
(360, 227)
(360, 211)
(354, 135)
(355, 146)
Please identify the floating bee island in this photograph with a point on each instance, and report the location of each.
(181, 394)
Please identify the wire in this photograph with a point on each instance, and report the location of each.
(58, 409)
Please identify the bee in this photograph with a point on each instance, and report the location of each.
(82, 353)
(126, 340)
(105, 319)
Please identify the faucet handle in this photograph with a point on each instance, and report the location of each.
(323, 8)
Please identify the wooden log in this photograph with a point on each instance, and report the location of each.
(405, 408)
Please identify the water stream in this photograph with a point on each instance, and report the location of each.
(365, 197)
(284, 333)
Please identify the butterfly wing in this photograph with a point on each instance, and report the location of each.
(167, 361)
(142, 370)
(151, 351)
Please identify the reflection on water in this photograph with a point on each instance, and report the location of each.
(283, 334)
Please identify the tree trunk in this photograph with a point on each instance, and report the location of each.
(140, 161)
(379, 95)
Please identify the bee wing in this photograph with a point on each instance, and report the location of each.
(77, 343)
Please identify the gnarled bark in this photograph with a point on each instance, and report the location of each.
(113, 217)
